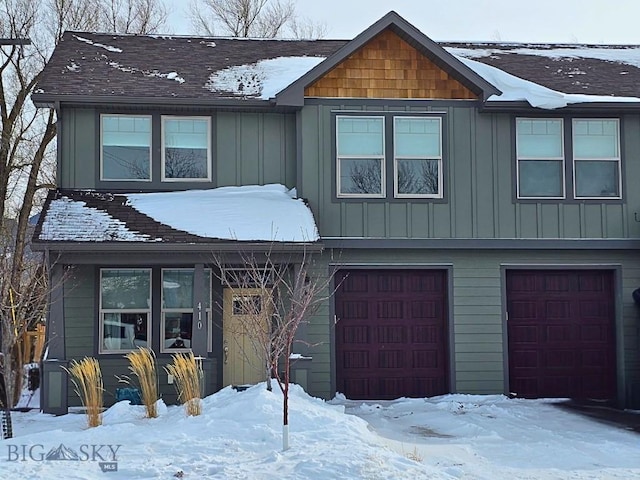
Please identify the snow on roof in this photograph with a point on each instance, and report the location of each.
(100, 45)
(620, 54)
(72, 220)
(516, 89)
(249, 213)
(263, 79)
(147, 73)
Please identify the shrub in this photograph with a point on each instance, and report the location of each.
(87, 378)
(143, 365)
(188, 376)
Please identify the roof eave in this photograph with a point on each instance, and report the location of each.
(523, 106)
(293, 95)
(48, 100)
(161, 247)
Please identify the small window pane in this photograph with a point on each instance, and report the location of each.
(186, 148)
(177, 330)
(597, 179)
(419, 177)
(539, 138)
(126, 143)
(124, 331)
(361, 176)
(595, 139)
(417, 137)
(540, 178)
(125, 289)
(360, 136)
(177, 288)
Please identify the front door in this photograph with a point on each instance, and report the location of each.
(245, 327)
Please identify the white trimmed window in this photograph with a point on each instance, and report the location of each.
(417, 145)
(540, 158)
(360, 149)
(125, 309)
(596, 158)
(125, 151)
(178, 309)
(186, 148)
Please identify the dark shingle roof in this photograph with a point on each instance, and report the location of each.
(121, 222)
(586, 69)
(143, 66)
(166, 67)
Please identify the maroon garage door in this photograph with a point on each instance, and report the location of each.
(391, 333)
(561, 333)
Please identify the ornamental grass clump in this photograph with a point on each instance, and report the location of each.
(87, 378)
(188, 376)
(143, 365)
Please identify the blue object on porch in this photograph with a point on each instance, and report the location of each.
(131, 394)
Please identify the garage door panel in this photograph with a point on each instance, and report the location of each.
(572, 331)
(403, 334)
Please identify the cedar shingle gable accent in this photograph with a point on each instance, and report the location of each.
(388, 67)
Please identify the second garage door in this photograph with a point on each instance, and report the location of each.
(391, 333)
(561, 328)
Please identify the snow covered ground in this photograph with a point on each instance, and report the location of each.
(239, 437)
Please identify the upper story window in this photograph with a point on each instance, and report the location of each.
(596, 158)
(125, 147)
(417, 157)
(360, 156)
(407, 150)
(186, 148)
(540, 158)
(592, 152)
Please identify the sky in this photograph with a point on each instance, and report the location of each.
(545, 21)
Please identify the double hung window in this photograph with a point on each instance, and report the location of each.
(596, 158)
(178, 309)
(417, 157)
(125, 309)
(126, 147)
(360, 155)
(591, 156)
(370, 149)
(186, 148)
(540, 158)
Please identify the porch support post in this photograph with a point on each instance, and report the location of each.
(54, 378)
(200, 333)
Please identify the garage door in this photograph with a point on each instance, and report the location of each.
(560, 329)
(391, 333)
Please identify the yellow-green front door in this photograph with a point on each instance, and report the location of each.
(243, 337)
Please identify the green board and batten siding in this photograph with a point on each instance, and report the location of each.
(478, 186)
(477, 306)
(249, 149)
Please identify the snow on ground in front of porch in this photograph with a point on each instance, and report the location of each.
(249, 213)
(239, 436)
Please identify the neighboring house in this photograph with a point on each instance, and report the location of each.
(484, 227)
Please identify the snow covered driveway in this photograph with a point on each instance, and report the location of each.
(493, 437)
(238, 436)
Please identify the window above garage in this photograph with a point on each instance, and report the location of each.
(562, 158)
(382, 156)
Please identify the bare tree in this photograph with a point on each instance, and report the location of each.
(251, 18)
(288, 293)
(134, 16)
(365, 177)
(27, 147)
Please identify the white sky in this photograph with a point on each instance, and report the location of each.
(564, 21)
